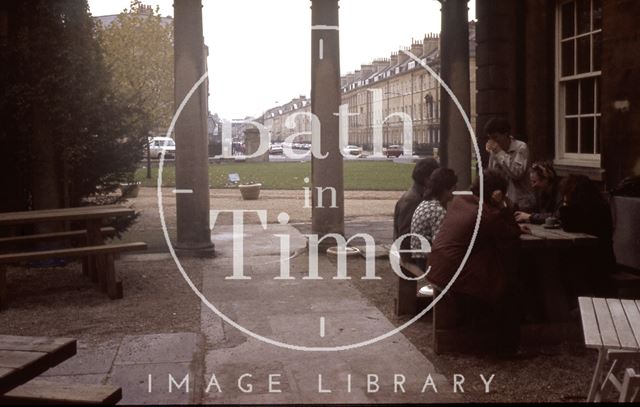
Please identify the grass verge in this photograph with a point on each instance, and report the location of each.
(358, 175)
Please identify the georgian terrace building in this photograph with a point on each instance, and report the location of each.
(275, 119)
(403, 85)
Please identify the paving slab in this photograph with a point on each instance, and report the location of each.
(290, 311)
(78, 379)
(90, 359)
(157, 348)
(134, 380)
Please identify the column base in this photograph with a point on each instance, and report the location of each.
(197, 250)
(324, 244)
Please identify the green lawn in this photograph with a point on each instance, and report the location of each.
(358, 175)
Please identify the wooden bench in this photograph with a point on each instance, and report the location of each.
(630, 386)
(408, 302)
(612, 326)
(41, 392)
(106, 275)
(44, 237)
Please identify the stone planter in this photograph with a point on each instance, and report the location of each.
(130, 190)
(250, 192)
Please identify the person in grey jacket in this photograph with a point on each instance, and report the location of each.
(510, 157)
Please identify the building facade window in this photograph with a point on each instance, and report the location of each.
(578, 78)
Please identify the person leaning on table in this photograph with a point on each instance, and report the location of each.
(548, 198)
(510, 157)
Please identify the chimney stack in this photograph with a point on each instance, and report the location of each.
(380, 64)
(417, 48)
(431, 43)
(402, 57)
(367, 70)
(393, 59)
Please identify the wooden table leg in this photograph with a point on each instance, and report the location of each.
(94, 238)
(554, 298)
(407, 303)
(101, 266)
(596, 382)
(3, 287)
(114, 287)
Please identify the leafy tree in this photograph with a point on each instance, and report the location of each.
(138, 51)
(68, 132)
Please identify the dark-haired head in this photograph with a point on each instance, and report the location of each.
(493, 181)
(442, 180)
(543, 176)
(499, 131)
(423, 170)
(497, 125)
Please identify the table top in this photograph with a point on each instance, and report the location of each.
(543, 237)
(49, 215)
(23, 358)
(610, 323)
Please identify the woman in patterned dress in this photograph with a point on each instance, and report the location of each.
(428, 216)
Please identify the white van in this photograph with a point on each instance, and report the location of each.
(159, 146)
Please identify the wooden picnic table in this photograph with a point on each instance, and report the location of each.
(541, 237)
(612, 326)
(543, 248)
(64, 214)
(92, 216)
(97, 256)
(543, 241)
(24, 358)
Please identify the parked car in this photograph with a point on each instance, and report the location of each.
(275, 148)
(159, 146)
(393, 151)
(353, 150)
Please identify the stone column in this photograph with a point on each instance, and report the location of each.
(194, 234)
(326, 173)
(539, 64)
(500, 61)
(620, 99)
(455, 141)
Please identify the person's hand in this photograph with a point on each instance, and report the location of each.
(508, 203)
(492, 146)
(525, 229)
(523, 217)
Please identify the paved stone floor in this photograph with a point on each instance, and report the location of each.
(221, 364)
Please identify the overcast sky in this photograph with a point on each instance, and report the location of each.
(260, 50)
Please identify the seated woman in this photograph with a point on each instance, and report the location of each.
(429, 214)
(486, 284)
(545, 184)
(585, 210)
